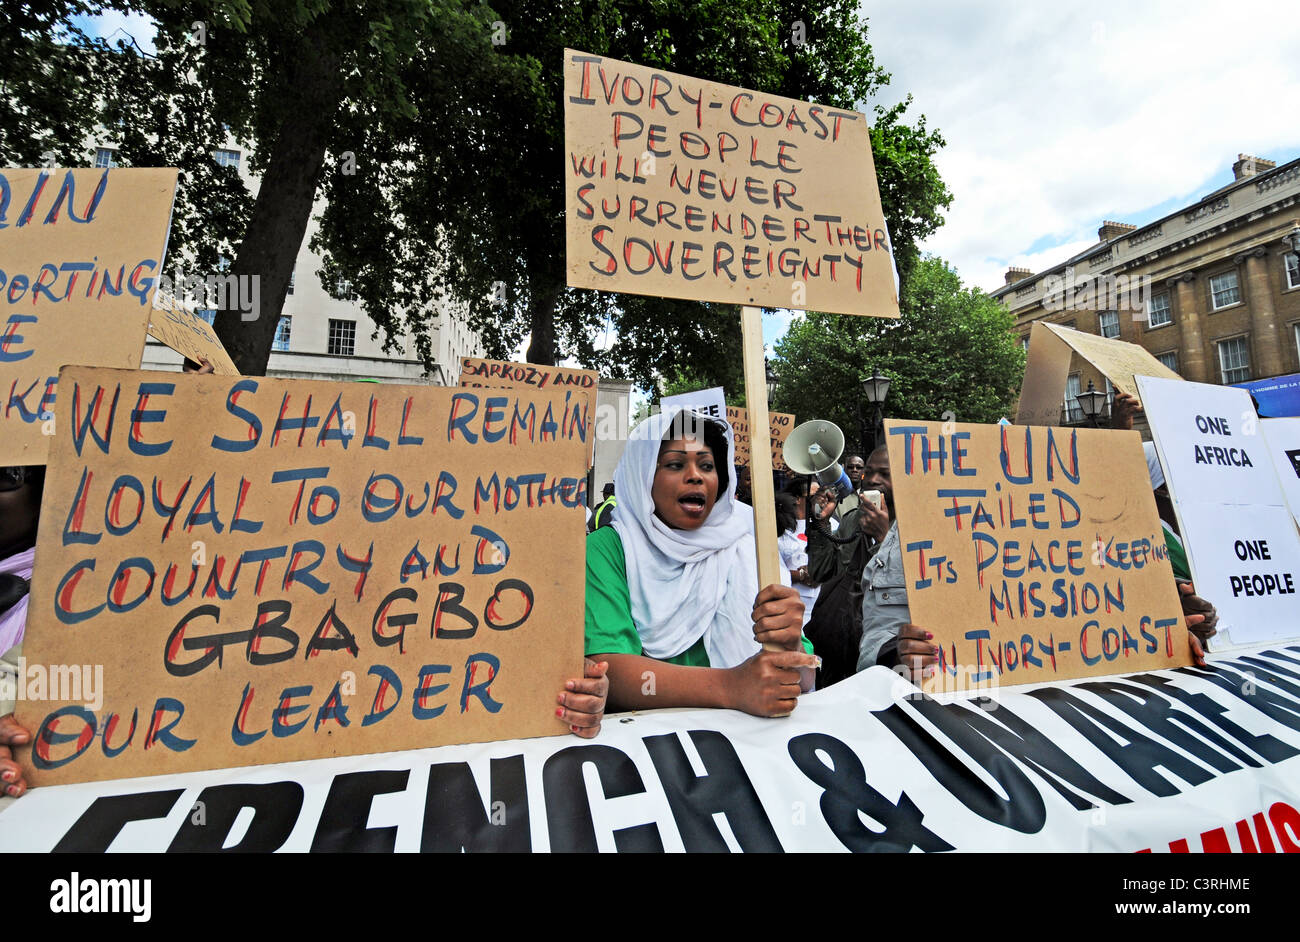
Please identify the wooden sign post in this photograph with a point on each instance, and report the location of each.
(760, 459)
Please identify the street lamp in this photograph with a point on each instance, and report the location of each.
(1090, 403)
(875, 388)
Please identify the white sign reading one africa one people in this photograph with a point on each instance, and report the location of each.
(1240, 539)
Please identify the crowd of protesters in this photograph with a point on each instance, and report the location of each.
(674, 613)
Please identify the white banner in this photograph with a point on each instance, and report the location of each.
(1164, 761)
(1241, 544)
(711, 402)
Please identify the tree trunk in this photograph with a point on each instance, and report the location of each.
(278, 222)
(545, 299)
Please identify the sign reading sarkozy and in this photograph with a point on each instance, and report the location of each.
(268, 570)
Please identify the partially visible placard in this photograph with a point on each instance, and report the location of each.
(1283, 438)
(1047, 367)
(186, 332)
(779, 426)
(578, 386)
(711, 402)
(1240, 537)
(241, 571)
(677, 187)
(1032, 554)
(80, 252)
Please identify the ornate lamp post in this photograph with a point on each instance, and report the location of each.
(875, 388)
(1090, 403)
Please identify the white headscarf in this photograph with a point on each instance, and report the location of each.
(686, 584)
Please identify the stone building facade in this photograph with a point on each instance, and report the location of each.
(1212, 290)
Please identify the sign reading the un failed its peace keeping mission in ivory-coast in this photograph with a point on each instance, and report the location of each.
(681, 188)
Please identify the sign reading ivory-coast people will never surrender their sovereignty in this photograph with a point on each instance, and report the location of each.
(80, 251)
(264, 570)
(678, 187)
(1032, 554)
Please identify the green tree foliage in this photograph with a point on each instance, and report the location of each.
(439, 148)
(953, 350)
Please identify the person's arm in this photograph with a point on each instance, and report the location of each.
(765, 685)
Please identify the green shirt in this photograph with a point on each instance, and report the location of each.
(608, 620)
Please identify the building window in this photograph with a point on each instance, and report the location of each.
(1158, 314)
(208, 316)
(1292, 270)
(1234, 360)
(226, 158)
(1108, 324)
(1073, 411)
(1223, 290)
(282, 331)
(343, 338)
(292, 271)
(343, 290)
(105, 157)
(1024, 343)
(1169, 359)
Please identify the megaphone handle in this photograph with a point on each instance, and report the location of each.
(760, 453)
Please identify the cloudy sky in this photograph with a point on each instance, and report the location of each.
(1061, 115)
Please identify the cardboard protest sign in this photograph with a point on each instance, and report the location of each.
(264, 570)
(1031, 553)
(80, 251)
(1283, 438)
(779, 426)
(182, 329)
(579, 386)
(678, 187)
(1149, 761)
(1048, 365)
(1240, 538)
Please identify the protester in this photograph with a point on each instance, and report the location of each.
(604, 513)
(201, 368)
(20, 508)
(673, 603)
(793, 547)
(854, 467)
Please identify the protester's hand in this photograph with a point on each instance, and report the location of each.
(1193, 642)
(1206, 626)
(916, 653)
(1123, 410)
(205, 367)
(825, 506)
(582, 704)
(873, 522)
(778, 617)
(11, 776)
(768, 683)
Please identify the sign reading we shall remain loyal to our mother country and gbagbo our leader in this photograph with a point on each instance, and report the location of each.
(678, 187)
(269, 570)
